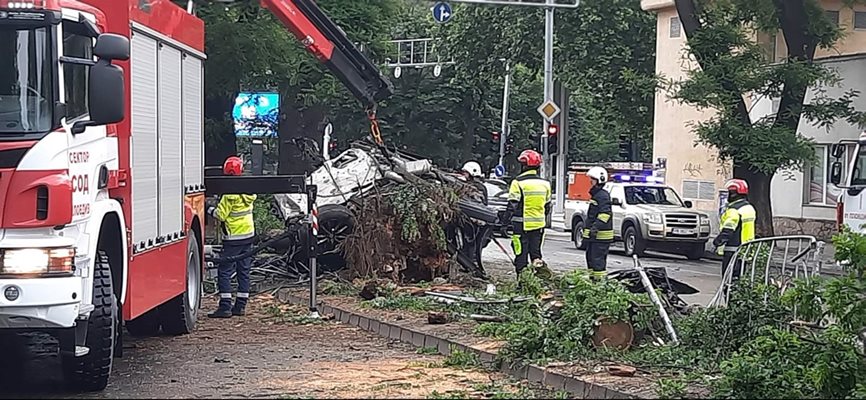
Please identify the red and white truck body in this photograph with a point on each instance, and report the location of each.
(78, 197)
(102, 190)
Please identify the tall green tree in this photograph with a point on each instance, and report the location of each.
(732, 65)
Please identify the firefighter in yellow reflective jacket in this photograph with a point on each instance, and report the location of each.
(528, 206)
(235, 211)
(598, 232)
(737, 224)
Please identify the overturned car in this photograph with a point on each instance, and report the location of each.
(389, 213)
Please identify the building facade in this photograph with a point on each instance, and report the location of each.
(809, 200)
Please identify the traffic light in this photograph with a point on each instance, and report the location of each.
(552, 130)
(553, 139)
(627, 148)
(509, 145)
(495, 137)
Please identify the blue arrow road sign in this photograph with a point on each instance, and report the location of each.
(442, 12)
(499, 171)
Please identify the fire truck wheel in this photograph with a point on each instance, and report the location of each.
(90, 372)
(178, 316)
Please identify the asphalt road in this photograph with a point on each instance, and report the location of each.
(561, 256)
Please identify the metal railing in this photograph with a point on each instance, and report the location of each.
(776, 261)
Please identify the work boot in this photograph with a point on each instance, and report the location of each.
(224, 310)
(240, 307)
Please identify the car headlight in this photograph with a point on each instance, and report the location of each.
(653, 218)
(57, 261)
(705, 220)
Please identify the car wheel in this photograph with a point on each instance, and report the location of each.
(696, 252)
(335, 225)
(633, 243)
(577, 236)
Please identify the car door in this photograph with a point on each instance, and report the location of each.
(617, 192)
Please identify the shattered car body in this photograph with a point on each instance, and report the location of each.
(356, 173)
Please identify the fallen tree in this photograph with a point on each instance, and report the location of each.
(390, 214)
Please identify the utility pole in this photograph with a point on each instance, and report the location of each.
(503, 137)
(548, 83)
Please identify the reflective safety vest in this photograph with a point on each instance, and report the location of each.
(236, 213)
(738, 224)
(599, 216)
(531, 195)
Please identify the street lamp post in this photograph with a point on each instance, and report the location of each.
(504, 129)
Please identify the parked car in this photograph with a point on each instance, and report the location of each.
(647, 216)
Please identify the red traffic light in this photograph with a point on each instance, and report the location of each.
(495, 136)
(552, 129)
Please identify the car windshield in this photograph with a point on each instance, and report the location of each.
(26, 88)
(664, 196)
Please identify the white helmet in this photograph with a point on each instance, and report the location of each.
(473, 168)
(598, 173)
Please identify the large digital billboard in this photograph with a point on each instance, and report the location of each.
(256, 114)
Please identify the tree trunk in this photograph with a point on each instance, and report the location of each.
(759, 196)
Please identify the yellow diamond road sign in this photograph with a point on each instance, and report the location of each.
(549, 110)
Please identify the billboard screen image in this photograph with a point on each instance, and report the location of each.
(256, 114)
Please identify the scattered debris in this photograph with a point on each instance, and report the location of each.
(622, 370)
(437, 318)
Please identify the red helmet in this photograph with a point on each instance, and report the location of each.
(530, 157)
(233, 166)
(738, 186)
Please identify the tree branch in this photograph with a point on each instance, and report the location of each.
(691, 23)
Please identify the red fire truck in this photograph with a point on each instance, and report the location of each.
(101, 166)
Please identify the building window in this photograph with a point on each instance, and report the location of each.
(676, 27)
(819, 190)
(833, 16)
(860, 20)
(78, 52)
(699, 190)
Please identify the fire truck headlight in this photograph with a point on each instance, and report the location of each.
(52, 261)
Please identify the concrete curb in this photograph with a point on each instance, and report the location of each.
(532, 373)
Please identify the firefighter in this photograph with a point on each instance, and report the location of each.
(737, 224)
(598, 231)
(528, 206)
(471, 172)
(235, 211)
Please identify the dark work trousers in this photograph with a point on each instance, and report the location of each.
(738, 266)
(527, 247)
(596, 257)
(242, 267)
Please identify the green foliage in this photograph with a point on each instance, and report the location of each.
(461, 359)
(783, 364)
(534, 334)
(422, 211)
(263, 218)
(670, 389)
(733, 65)
(851, 250)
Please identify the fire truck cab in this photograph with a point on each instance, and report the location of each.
(102, 187)
(850, 175)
